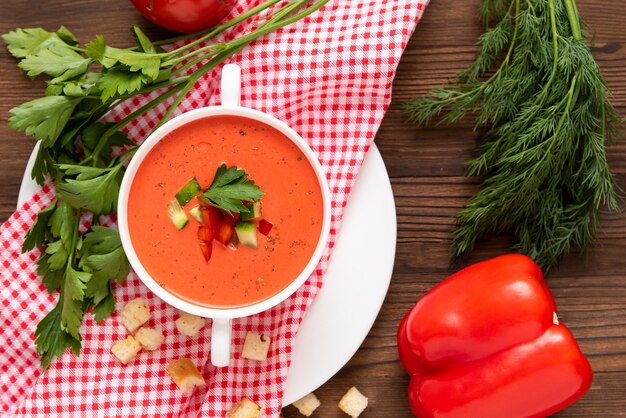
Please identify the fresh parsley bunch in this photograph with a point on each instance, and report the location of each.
(81, 154)
(537, 89)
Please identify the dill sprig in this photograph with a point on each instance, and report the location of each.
(538, 90)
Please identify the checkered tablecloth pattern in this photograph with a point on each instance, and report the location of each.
(329, 77)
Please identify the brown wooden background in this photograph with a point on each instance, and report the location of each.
(426, 170)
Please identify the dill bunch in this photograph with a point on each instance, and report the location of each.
(538, 91)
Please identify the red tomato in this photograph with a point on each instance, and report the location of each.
(184, 15)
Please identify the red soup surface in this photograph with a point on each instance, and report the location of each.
(231, 278)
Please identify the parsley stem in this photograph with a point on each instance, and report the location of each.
(96, 152)
(210, 33)
(233, 47)
(71, 250)
(263, 30)
(126, 155)
(149, 89)
(215, 48)
(193, 78)
(143, 109)
(195, 53)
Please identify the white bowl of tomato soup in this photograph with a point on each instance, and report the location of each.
(178, 216)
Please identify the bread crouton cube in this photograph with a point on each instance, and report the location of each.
(185, 374)
(353, 402)
(189, 325)
(134, 314)
(307, 405)
(149, 338)
(245, 408)
(255, 347)
(125, 350)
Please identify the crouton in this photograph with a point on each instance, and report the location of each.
(307, 405)
(255, 347)
(149, 338)
(135, 314)
(245, 408)
(189, 325)
(125, 350)
(185, 374)
(353, 402)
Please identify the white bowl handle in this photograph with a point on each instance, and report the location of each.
(231, 85)
(221, 336)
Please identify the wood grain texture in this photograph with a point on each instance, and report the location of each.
(426, 169)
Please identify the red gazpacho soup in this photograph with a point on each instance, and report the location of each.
(236, 275)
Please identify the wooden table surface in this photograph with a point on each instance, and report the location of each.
(426, 170)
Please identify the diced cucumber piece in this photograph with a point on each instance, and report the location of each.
(195, 213)
(177, 214)
(254, 212)
(246, 233)
(188, 192)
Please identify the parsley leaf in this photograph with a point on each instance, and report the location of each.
(50, 278)
(43, 118)
(66, 36)
(143, 41)
(61, 62)
(24, 42)
(104, 255)
(230, 189)
(51, 340)
(68, 223)
(105, 307)
(93, 134)
(148, 64)
(95, 189)
(57, 255)
(36, 235)
(38, 173)
(73, 294)
(118, 81)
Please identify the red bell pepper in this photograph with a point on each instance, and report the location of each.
(211, 217)
(225, 232)
(486, 342)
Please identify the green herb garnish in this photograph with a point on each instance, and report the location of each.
(231, 189)
(81, 267)
(77, 149)
(537, 89)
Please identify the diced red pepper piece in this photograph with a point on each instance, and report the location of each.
(207, 250)
(232, 217)
(205, 234)
(265, 227)
(211, 217)
(225, 232)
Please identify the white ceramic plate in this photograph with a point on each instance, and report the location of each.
(355, 285)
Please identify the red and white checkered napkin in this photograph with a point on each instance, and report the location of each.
(329, 77)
